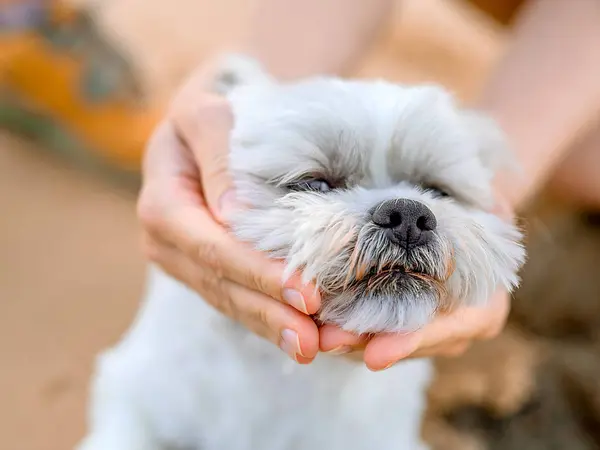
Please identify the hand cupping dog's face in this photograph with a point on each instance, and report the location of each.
(377, 192)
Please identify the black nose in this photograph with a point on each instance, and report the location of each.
(407, 222)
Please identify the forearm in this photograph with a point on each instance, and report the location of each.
(547, 89)
(301, 38)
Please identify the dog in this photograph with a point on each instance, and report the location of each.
(376, 192)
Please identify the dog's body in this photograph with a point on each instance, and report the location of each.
(188, 377)
(348, 182)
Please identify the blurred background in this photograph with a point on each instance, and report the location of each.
(80, 90)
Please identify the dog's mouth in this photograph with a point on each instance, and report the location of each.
(396, 273)
(395, 279)
(394, 291)
(393, 272)
(390, 273)
(428, 263)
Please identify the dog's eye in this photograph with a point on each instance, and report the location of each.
(437, 192)
(316, 185)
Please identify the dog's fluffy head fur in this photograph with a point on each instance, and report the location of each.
(314, 160)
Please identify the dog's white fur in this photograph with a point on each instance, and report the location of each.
(185, 377)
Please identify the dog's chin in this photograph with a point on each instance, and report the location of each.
(388, 301)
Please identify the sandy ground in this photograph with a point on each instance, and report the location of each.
(70, 269)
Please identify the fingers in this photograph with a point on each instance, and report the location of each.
(207, 244)
(292, 331)
(205, 127)
(449, 350)
(171, 209)
(385, 350)
(192, 230)
(334, 340)
(185, 184)
(295, 333)
(446, 335)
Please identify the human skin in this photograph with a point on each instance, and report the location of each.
(577, 179)
(544, 94)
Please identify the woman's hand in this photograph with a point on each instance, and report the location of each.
(183, 204)
(448, 335)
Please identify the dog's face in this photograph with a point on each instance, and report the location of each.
(376, 192)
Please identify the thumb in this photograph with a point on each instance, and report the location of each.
(204, 125)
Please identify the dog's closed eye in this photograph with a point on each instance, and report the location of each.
(312, 184)
(435, 191)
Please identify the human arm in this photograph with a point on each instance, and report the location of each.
(545, 93)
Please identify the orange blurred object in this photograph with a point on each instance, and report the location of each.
(60, 77)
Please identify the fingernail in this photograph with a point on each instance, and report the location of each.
(290, 343)
(303, 360)
(295, 299)
(227, 203)
(389, 365)
(384, 368)
(341, 350)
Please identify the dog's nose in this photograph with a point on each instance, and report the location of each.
(407, 222)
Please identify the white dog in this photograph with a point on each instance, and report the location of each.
(376, 192)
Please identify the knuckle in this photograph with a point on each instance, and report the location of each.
(259, 282)
(209, 283)
(263, 320)
(213, 288)
(207, 254)
(258, 318)
(263, 317)
(228, 307)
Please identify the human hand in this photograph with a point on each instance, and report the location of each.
(448, 334)
(182, 207)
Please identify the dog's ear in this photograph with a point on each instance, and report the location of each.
(236, 70)
(494, 148)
